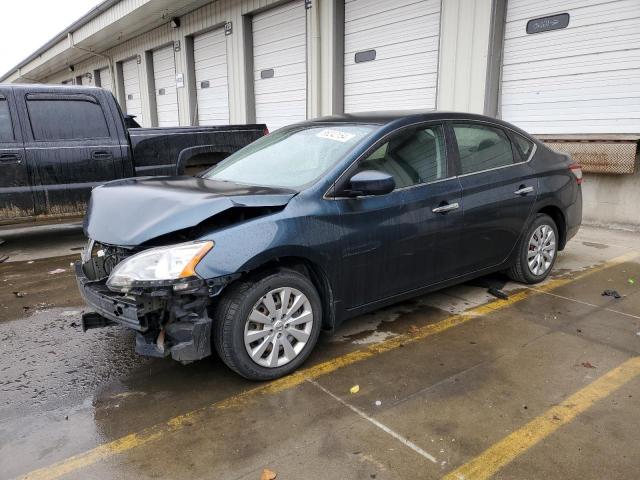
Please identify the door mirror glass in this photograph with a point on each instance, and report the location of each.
(370, 182)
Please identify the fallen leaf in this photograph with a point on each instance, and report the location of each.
(587, 365)
(268, 474)
(355, 389)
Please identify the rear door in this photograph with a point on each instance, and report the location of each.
(72, 145)
(499, 190)
(16, 198)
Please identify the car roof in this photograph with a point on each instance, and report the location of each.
(400, 118)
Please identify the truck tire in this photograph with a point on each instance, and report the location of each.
(266, 326)
(537, 251)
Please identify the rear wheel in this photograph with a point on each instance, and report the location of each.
(267, 326)
(537, 251)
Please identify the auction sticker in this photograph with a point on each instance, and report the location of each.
(335, 135)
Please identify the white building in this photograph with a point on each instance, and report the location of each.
(567, 71)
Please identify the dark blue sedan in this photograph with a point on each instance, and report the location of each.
(319, 222)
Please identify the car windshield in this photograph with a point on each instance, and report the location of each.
(290, 158)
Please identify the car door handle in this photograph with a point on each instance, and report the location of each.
(523, 190)
(101, 155)
(446, 208)
(10, 158)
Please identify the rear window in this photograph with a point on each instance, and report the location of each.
(66, 117)
(524, 146)
(6, 129)
(482, 147)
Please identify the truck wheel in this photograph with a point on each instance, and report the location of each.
(537, 251)
(266, 327)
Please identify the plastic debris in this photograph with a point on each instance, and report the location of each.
(19, 294)
(268, 475)
(355, 389)
(587, 365)
(611, 293)
(378, 403)
(57, 271)
(498, 293)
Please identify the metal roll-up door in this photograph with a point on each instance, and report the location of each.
(390, 54)
(572, 67)
(279, 65)
(132, 91)
(105, 79)
(164, 77)
(212, 87)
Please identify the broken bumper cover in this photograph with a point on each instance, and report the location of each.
(186, 337)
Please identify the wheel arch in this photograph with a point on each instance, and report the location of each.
(557, 216)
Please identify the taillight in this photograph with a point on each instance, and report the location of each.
(265, 131)
(576, 169)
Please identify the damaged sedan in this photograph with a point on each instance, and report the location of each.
(319, 222)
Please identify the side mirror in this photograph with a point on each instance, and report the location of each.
(370, 182)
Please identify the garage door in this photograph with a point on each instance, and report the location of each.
(132, 93)
(583, 78)
(212, 88)
(105, 79)
(279, 63)
(164, 77)
(390, 54)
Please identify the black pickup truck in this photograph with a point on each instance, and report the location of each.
(58, 142)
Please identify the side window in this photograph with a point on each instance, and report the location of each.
(524, 146)
(411, 157)
(6, 128)
(482, 147)
(66, 117)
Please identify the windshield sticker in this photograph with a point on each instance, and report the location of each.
(335, 135)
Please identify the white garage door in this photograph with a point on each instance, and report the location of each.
(132, 93)
(390, 54)
(105, 79)
(279, 65)
(584, 78)
(212, 88)
(164, 77)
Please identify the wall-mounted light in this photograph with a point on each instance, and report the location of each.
(175, 22)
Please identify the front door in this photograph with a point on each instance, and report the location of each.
(407, 239)
(16, 198)
(499, 191)
(72, 146)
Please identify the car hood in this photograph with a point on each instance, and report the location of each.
(132, 211)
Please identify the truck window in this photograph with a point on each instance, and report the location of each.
(66, 117)
(6, 129)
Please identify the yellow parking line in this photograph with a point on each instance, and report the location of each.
(506, 450)
(150, 434)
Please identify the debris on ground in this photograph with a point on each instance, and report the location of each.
(378, 403)
(498, 293)
(57, 271)
(268, 475)
(587, 365)
(631, 281)
(413, 330)
(355, 389)
(611, 293)
(4, 258)
(19, 294)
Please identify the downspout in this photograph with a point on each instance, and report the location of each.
(112, 69)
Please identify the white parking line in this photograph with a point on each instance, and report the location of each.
(586, 303)
(381, 426)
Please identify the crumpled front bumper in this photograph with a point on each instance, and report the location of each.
(167, 324)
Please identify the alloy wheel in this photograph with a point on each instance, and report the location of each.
(278, 327)
(542, 250)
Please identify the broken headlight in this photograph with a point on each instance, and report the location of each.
(160, 266)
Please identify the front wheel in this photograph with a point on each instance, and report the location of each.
(537, 251)
(267, 326)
